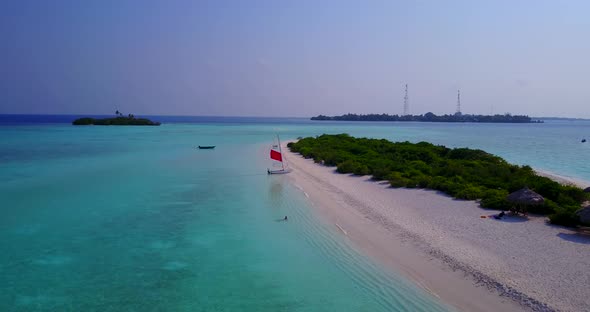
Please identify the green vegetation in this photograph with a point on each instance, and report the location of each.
(461, 172)
(120, 120)
(430, 117)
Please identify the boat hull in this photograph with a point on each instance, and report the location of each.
(206, 147)
(279, 171)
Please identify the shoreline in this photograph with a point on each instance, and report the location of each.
(445, 247)
(565, 180)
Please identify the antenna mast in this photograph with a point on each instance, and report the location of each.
(458, 102)
(406, 104)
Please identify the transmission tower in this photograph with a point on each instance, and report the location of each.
(406, 104)
(458, 102)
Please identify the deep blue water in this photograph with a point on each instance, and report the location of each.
(22, 119)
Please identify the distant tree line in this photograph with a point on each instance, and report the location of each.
(120, 120)
(460, 172)
(430, 117)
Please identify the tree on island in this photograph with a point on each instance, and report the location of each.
(120, 115)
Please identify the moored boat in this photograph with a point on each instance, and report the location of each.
(207, 147)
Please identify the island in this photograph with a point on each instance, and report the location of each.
(430, 117)
(462, 173)
(119, 120)
(402, 205)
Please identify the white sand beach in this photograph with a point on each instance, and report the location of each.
(443, 245)
(562, 179)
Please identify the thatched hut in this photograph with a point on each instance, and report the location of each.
(524, 198)
(584, 214)
(587, 190)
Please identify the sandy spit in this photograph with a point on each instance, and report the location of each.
(563, 179)
(447, 248)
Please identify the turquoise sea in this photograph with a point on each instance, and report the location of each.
(138, 219)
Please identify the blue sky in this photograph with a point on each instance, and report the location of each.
(294, 58)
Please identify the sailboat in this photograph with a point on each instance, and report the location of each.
(276, 154)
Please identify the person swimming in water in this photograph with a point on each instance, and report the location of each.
(285, 218)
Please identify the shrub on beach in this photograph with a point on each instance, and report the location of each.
(461, 172)
(495, 199)
(565, 216)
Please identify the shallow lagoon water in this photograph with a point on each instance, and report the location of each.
(138, 219)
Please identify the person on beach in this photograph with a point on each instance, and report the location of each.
(500, 215)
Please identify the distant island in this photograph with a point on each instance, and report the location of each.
(119, 120)
(564, 118)
(430, 117)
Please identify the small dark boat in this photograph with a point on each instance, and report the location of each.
(583, 140)
(207, 147)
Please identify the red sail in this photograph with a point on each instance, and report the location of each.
(276, 155)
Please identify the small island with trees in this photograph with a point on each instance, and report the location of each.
(430, 117)
(119, 120)
(460, 172)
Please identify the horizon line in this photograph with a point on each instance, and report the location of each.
(253, 116)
